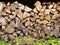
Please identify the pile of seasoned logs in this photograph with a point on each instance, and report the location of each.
(18, 20)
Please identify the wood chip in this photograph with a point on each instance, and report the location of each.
(50, 6)
(38, 20)
(53, 9)
(18, 32)
(12, 24)
(35, 10)
(14, 34)
(13, 6)
(47, 11)
(38, 5)
(13, 12)
(4, 5)
(55, 5)
(36, 16)
(26, 14)
(21, 7)
(11, 37)
(3, 27)
(55, 12)
(5, 37)
(43, 22)
(47, 17)
(20, 26)
(53, 21)
(27, 23)
(9, 29)
(27, 18)
(4, 13)
(8, 3)
(3, 21)
(11, 16)
(17, 21)
(41, 14)
(32, 19)
(1, 33)
(58, 8)
(8, 10)
(1, 6)
(43, 9)
(8, 19)
(54, 17)
(27, 9)
(20, 15)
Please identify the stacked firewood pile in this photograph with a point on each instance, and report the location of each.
(18, 20)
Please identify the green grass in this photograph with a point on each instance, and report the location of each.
(50, 41)
(4, 43)
(18, 40)
(28, 40)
